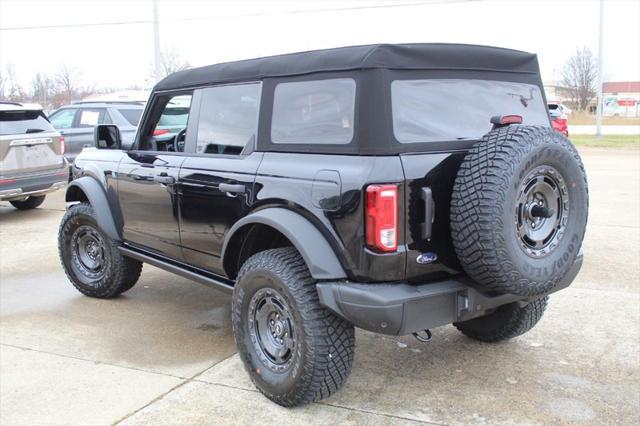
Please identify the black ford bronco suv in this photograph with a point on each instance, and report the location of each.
(394, 188)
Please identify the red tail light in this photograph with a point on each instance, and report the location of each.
(511, 119)
(382, 217)
(158, 132)
(63, 146)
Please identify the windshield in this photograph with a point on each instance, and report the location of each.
(436, 110)
(21, 122)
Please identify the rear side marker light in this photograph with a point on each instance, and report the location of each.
(382, 217)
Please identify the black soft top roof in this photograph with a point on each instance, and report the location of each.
(390, 56)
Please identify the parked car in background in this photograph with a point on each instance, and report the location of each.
(32, 161)
(559, 118)
(77, 121)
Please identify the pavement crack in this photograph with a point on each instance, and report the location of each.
(179, 385)
(377, 413)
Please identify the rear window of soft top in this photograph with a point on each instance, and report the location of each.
(21, 122)
(456, 109)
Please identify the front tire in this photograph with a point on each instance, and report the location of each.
(506, 322)
(30, 203)
(295, 350)
(91, 260)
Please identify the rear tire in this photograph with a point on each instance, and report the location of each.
(30, 203)
(506, 322)
(91, 260)
(295, 350)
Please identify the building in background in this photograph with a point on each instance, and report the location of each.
(621, 98)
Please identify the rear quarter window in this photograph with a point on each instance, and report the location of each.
(436, 110)
(314, 112)
(21, 122)
(131, 115)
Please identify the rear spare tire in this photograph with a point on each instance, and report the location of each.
(519, 210)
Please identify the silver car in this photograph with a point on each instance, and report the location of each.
(77, 121)
(32, 161)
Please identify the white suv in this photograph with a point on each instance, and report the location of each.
(32, 161)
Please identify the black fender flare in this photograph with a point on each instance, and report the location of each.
(316, 251)
(98, 199)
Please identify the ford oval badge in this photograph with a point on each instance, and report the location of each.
(425, 258)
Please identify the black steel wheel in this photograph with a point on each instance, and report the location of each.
(295, 350)
(542, 211)
(271, 327)
(91, 260)
(88, 252)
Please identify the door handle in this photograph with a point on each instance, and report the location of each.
(236, 189)
(164, 179)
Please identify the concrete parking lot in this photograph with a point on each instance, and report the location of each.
(163, 353)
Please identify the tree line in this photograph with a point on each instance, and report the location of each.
(65, 86)
(49, 90)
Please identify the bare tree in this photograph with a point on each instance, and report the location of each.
(579, 76)
(2, 86)
(42, 89)
(12, 89)
(66, 85)
(172, 61)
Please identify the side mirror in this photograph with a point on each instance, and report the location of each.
(107, 136)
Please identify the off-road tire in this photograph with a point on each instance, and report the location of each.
(485, 207)
(118, 274)
(506, 322)
(324, 343)
(30, 203)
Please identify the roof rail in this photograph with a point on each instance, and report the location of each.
(10, 103)
(108, 102)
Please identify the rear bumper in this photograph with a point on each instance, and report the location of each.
(15, 188)
(401, 308)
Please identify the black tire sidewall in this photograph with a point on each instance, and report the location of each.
(542, 274)
(30, 203)
(275, 385)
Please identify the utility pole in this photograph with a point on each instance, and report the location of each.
(157, 59)
(599, 97)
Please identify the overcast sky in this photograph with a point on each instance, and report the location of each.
(207, 32)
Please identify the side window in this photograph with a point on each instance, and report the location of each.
(314, 112)
(90, 117)
(106, 118)
(167, 127)
(131, 115)
(228, 119)
(63, 119)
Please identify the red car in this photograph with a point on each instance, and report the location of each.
(558, 119)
